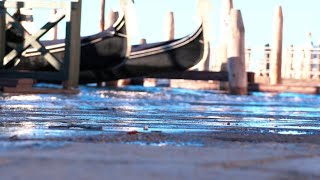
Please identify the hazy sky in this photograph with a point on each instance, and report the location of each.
(300, 17)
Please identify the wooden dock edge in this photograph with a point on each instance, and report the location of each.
(26, 86)
(252, 87)
(219, 81)
(17, 90)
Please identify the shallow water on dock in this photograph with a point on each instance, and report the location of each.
(155, 109)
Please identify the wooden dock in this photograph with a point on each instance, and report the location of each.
(67, 70)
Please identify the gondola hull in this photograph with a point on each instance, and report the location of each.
(148, 60)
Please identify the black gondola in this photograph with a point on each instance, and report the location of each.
(151, 59)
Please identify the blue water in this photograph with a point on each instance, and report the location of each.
(148, 109)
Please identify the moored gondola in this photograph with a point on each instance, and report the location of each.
(151, 59)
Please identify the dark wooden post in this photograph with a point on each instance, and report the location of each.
(238, 81)
(102, 15)
(72, 52)
(2, 32)
(276, 51)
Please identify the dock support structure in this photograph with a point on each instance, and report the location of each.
(67, 70)
(72, 51)
(238, 81)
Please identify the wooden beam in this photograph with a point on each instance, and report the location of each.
(72, 51)
(2, 33)
(32, 39)
(41, 75)
(37, 45)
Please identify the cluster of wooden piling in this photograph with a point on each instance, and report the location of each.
(283, 74)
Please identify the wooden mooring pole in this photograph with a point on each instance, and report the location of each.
(276, 51)
(112, 18)
(102, 15)
(169, 31)
(55, 28)
(238, 81)
(223, 55)
(72, 51)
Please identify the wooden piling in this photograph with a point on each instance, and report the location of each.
(72, 52)
(238, 81)
(102, 15)
(55, 28)
(204, 9)
(53, 33)
(169, 31)
(2, 32)
(276, 51)
(307, 58)
(222, 54)
(112, 18)
(143, 41)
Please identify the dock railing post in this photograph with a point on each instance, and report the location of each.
(276, 51)
(72, 52)
(2, 32)
(238, 81)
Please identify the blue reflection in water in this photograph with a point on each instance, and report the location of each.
(161, 109)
